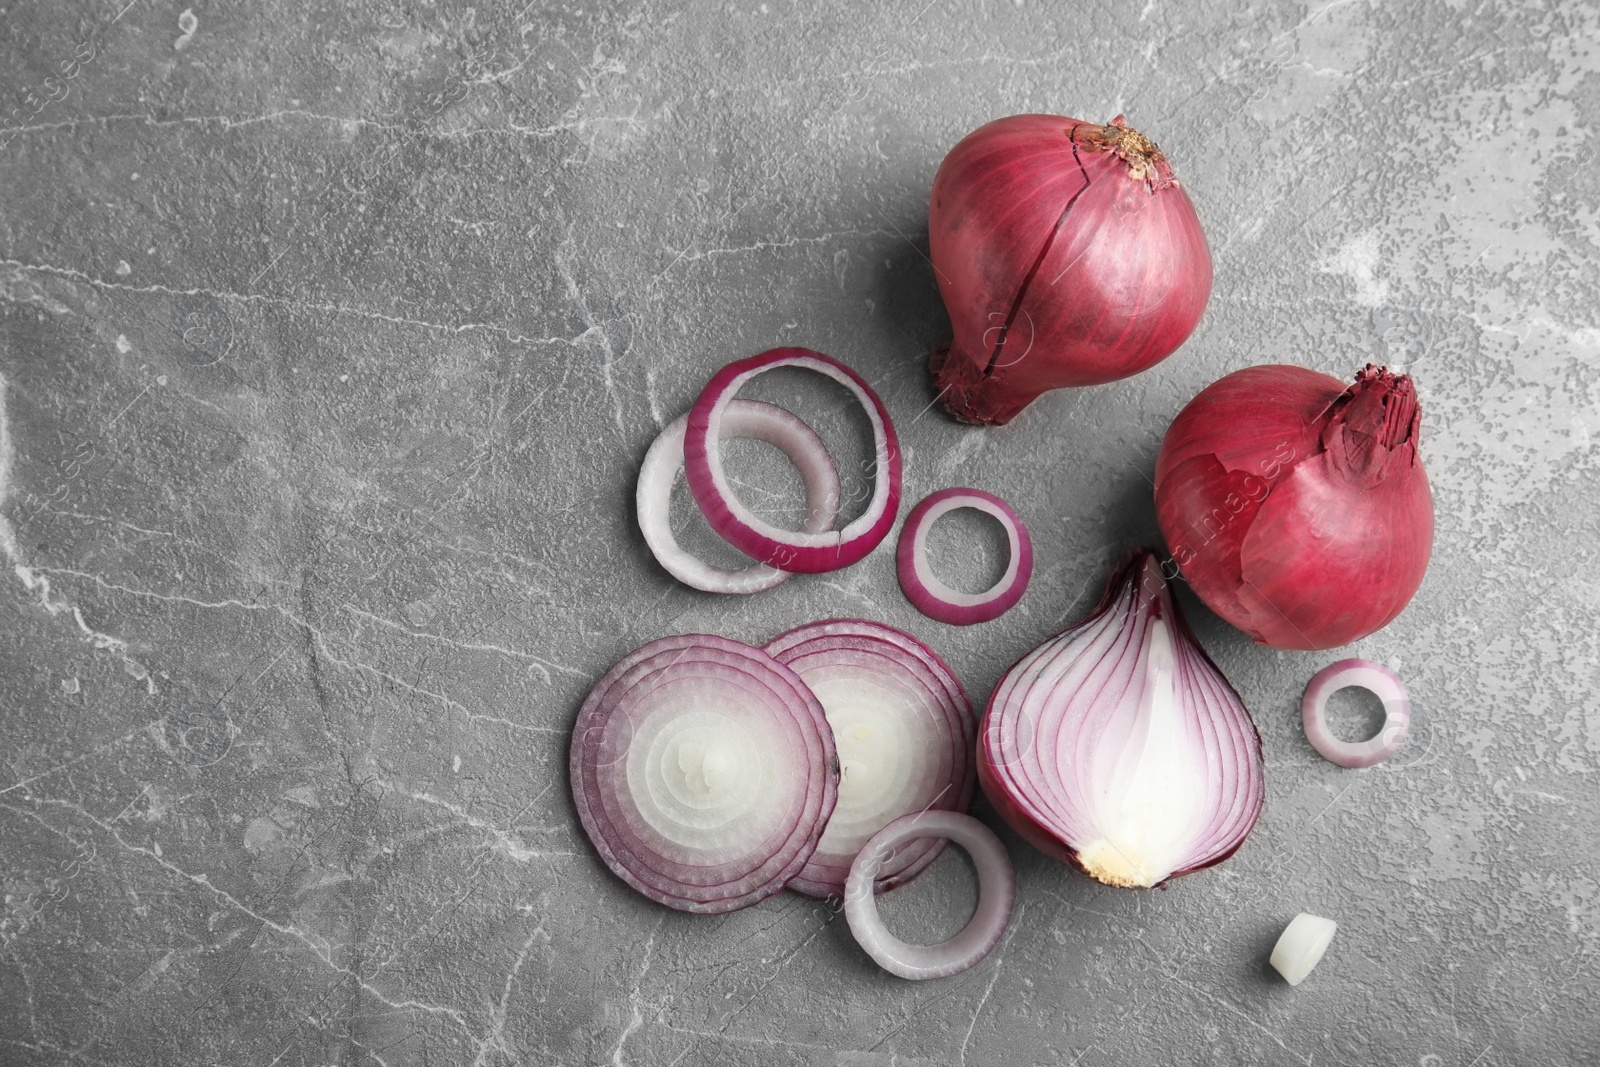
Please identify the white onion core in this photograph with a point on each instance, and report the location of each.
(1301, 946)
(1145, 805)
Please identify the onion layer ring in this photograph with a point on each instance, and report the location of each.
(748, 419)
(1376, 679)
(935, 599)
(804, 553)
(996, 892)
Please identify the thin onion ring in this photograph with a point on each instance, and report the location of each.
(996, 893)
(748, 419)
(933, 597)
(1375, 678)
(805, 553)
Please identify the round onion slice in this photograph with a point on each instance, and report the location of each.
(904, 730)
(744, 418)
(935, 599)
(704, 772)
(1118, 747)
(1376, 679)
(996, 891)
(802, 552)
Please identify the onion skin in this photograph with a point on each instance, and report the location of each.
(1052, 282)
(1296, 506)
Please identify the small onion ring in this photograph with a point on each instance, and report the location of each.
(803, 552)
(996, 892)
(704, 772)
(1376, 679)
(747, 419)
(935, 599)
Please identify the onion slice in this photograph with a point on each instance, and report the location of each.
(904, 730)
(743, 418)
(935, 599)
(1301, 946)
(1118, 747)
(802, 552)
(996, 892)
(704, 772)
(1376, 679)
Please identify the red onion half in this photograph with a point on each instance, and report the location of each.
(1297, 506)
(805, 553)
(1066, 253)
(1118, 747)
(904, 730)
(704, 772)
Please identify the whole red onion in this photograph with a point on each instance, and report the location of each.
(1297, 508)
(1067, 254)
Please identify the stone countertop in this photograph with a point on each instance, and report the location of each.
(331, 339)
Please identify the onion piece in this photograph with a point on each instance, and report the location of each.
(802, 552)
(996, 892)
(1118, 747)
(904, 731)
(704, 772)
(1301, 945)
(935, 599)
(1376, 679)
(748, 419)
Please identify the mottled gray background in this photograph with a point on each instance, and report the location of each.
(332, 337)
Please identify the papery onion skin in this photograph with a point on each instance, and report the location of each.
(1053, 711)
(1296, 506)
(1067, 254)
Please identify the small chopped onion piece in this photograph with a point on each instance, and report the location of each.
(937, 600)
(996, 893)
(801, 552)
(704, 772)
(904, 730)
(1301, 945)
(1376, 679)
(747, 419)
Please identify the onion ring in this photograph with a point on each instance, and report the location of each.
(704, 772)
(748, 419)
(935, 599)
(1375, 678)
(996, 892)
(805, 553)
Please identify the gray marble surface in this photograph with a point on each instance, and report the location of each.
(331, 339)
